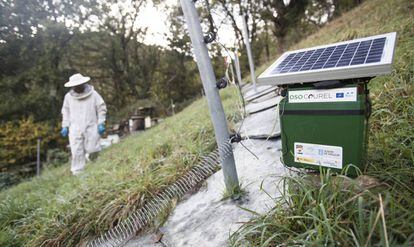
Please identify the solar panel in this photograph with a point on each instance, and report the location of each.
(357, 58)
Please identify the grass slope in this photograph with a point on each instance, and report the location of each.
(58, 209)
(334, 210)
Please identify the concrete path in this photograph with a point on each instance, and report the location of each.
(263, 103)
(204, 218)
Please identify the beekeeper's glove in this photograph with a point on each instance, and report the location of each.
(64, 132)
(101, 128)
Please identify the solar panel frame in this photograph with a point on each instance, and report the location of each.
(287, 70)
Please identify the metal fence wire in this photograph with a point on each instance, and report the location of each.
(127, 228)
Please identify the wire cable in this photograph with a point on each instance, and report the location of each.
(241, 143)
(214, 28)
(163, 201)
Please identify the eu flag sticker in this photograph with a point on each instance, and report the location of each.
(339, 95)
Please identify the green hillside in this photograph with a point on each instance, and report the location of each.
(332, 210)
(59, 209)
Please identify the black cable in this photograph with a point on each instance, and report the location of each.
(237, 82)
(213, 27)
(285, 137)
(290, 169)
(209, 16)
(249, 150)
(263, 109)
(240, 91)
(238, 87)
(243, 101)
(281, 132)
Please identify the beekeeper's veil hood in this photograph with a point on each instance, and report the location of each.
(86, 92)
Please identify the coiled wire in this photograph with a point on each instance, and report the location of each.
(127, 228)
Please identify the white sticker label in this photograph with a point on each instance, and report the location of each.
(321, 155)
(323, 95)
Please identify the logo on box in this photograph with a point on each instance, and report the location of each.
(339, 95)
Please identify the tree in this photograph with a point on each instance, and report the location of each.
(320, 12)
(248, 9)
(33, 45)
(341, 6)
(177, 76)
(122, 27)
(284, 16)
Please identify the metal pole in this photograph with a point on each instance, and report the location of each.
(249, 51)
(233, 75)
(38, 157)
(213, 97)
(237, 65)
(173, 107)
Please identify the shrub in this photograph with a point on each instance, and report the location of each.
(8, 179)
(18, 142)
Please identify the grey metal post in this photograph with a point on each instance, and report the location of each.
(38, 157)
(173, 107)
(213, 97)
(233, 75)
(237, 65)
(249, 51)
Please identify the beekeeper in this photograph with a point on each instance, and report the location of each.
(83, 119)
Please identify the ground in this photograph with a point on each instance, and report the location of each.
(206, 217)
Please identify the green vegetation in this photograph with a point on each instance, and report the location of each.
(335, 210)
(60, 209)
(235, 193)
(18, 141)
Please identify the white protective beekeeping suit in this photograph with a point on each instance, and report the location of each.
(82, 113)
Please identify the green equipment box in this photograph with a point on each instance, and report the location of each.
(325, 128)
